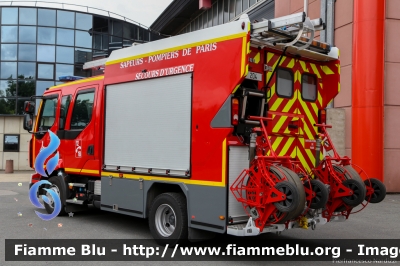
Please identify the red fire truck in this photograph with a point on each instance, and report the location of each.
(210, 131)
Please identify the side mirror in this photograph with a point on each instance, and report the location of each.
(28, 122)
(29, 107)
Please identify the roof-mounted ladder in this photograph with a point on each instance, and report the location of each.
(296, 32)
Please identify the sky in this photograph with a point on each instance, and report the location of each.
(143, 12)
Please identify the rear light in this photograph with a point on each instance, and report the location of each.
(321, 118)
(235, 111)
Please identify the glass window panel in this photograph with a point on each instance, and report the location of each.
(215, 14)
(9, 34)
(199, 22)
(46, 53)
(65, 37)
(48, 113)
(205, 20)
(46, 35)
(100, 42)
(20, 105)
(220, 12)
(82, 112)
(26, 70)
(45, 71)
(27, 52)
(9, 15)
(100, 24)
(65, 19)
(252, 2)
(210, 18)
(129, 31)
(64, 70)
(7, 106)
(83, 39)
(41, 86)
(309, 87)
(64, 54)
(8, 70)
(27, 16)
(116, 28)
(9, 88)
(26, 88)
(83, 55)
(284, 83)
(79, 71)
(232, 5)
(226, 11)
(27, 34)
(8, 52)
(83, 21)
(245, 4)
(66, 100)
(46, 17)
(140, 33)
(238, 9)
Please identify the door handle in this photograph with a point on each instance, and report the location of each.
(90, 150)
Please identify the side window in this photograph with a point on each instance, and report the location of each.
(82, 112)
(284, 83)
(309, 87)
(47, 113)
(66, 100)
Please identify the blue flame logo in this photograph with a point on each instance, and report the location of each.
(44, 154)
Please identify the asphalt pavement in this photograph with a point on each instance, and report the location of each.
(19, 221)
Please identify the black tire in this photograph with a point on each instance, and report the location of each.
(379, 190)
(353, 173)
(292, 197)
(358, 195)
(57, 184)
(168, 219)
(321, 194)
(295, 179)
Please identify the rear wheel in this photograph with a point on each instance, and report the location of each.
(379, 193)
(292, 197)
(168, 220)
(57, 186)
(294, 178)
(358, 195)
(321, 194)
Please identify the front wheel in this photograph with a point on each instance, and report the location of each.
(60, 188)
(168, 220)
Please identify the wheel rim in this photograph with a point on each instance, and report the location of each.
(377, 191)
(165, 220)
(289, 196)
(356, 192)
(318, 195)
(51, 200)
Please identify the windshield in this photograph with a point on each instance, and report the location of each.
(47, 114)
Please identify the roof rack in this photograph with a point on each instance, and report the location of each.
(295, 33)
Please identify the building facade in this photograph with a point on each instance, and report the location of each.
(38, 45)
(365, 31)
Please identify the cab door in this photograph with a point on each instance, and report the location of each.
(79, 135)
(286, 125)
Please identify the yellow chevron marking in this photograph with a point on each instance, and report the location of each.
(248, 48)
(338, 86)
(285, 109)
(291, 64)
(303, 161)
(315, 69)
(338, 68)
(304, 66)
(237, 87)
(327, 70)
(287, 146)
(257, 58)
(269, 56)
(276, 143)
(293, 154)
